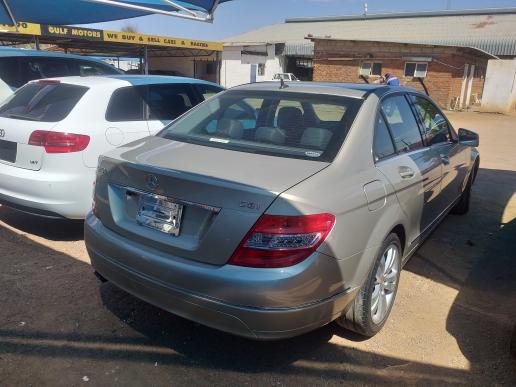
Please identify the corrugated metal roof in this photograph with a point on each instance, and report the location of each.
(493, 31)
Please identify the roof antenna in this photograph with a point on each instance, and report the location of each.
(282, 84)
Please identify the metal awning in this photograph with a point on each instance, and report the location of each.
(95, 11)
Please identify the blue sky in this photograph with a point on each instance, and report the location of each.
(240, 16)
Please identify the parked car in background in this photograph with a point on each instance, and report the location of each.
(52, 132)
(298, 211)
(19, 66)
(289, 77)
(172, 73)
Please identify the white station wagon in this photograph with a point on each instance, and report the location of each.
(52, 132)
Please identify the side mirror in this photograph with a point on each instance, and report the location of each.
(469, 138)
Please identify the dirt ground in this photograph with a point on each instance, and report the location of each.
(451, 323)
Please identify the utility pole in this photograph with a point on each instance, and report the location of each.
(365, 9)
(449, 4)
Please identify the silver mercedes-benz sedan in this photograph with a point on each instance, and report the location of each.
(272, 209)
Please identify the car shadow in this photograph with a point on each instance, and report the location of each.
(58, 324)
(53, 229)
(475, 255)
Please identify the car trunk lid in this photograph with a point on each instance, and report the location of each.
(222, 193)
(14, 143)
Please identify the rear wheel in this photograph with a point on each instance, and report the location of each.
(372, 306)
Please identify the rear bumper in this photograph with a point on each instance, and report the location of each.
(47, 194)
(255, 322)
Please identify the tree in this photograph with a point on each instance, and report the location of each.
(130, 28)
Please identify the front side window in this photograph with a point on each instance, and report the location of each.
(435, 125)
(167, 102)
(10, 72)
(383, 146)
(43, 102)
(403, 124)
(285, 124)
(208, 91)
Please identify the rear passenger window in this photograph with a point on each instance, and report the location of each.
(435, 125)
(403, 124)
(167, 102)
(126, 105)
(382, 146)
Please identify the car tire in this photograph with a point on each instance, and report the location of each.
(360, 315)
(462, 206)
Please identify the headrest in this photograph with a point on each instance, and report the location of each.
(227, 127)
(290, 117)
(316, 138)
(270, 135)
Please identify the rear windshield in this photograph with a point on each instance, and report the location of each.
(42, 102)
(278, 123)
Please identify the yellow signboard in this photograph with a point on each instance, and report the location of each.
(23, 28)
(110, 36)
(155, 40)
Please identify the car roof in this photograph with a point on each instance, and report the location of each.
(14, 52)
(356, 90)
(129, 80)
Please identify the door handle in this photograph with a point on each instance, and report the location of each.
(445, 159)
(406, 173)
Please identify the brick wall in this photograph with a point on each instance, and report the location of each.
(339, 61)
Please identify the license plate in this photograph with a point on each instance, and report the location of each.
(159, 213)
(8, 151)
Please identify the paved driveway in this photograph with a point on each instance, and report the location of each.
(451, 323)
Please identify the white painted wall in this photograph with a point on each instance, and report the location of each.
(499, 95)
(234, 72)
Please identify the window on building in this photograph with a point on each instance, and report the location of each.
(305, 63)
(371, 68)
(403, 124)
(261, 69)
(416, 69)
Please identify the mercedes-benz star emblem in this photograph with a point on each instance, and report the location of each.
(152, 181)
(2, 133)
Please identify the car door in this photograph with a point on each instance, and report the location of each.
(413, 169)
(166, 102)
(439, 135)
(125, 116)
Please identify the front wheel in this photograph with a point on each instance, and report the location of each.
(372, 305)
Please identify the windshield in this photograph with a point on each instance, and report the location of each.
(278, 123)
(44, 102)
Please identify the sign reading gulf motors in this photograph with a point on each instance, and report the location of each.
(110, 36)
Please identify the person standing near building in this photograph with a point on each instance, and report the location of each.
(391, 80)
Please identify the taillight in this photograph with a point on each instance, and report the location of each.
(280, 241)
(57, 142)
